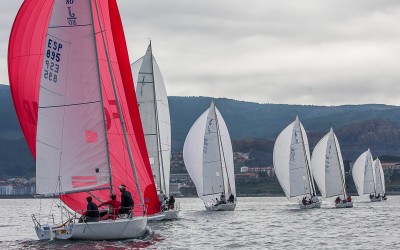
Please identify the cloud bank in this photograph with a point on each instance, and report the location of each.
(299, 52)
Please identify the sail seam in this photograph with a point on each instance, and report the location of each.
(67, 105)
(65, 26)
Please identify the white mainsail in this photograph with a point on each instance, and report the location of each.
(154, 113)
(291, 158)
(327, 166)
(363, 174)
(379, 177)
(71, 143)
(208, 156)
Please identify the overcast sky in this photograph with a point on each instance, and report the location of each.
(298, 52)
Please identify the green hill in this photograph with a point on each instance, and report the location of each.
(253, 127)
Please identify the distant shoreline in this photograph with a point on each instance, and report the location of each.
(10, 197)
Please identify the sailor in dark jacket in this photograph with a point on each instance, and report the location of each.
(126, 201)
(92, 211)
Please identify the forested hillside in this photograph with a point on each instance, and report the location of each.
(253, 128)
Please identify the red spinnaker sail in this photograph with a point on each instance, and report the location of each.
(24, 61)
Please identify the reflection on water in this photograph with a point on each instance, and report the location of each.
(257, 223)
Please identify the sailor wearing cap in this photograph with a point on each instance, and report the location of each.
(126, 201)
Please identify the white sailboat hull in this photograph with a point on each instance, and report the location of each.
(172, 214)
(156, 217)
(102, 230)
(312, 205)
(376, 199)
(221, 207)
(166, 215)
(344, 204)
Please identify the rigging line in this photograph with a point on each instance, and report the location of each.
(101, 98)
(311, 181)
(42, 87)
(63, 126)
(340, 167)
(122, 121)
(96, 197)
(223, 152)
(47, 144)
(69, 105)
(160, 156)
(373, 172)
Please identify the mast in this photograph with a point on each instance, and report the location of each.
(119, 109)
(159, 147)
(219, 150)
(223, 153)
(340, 167)
(380, 175)
(373, 170)
(102, 100)
(311, 182)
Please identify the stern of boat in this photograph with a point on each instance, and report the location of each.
(221, 207)
(344, 204)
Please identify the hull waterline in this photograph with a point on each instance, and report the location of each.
(221, 207)
(102, 230)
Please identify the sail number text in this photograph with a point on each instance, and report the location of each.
(52, 60)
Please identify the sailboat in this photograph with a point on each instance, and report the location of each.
(364, 176)
(292, 166)
(379, 179)
(208, 157)
(71, 82)
(154, 112)
(328, 170)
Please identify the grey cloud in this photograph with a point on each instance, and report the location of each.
(309, 52)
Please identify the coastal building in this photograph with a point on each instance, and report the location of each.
(244, 169)
(11, 190)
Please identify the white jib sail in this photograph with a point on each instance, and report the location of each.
(363, 174)
(327, 166)
(154, 113)
(291, 158)
(213, 181)
(210, 180)
(379, 177)
(71, 143)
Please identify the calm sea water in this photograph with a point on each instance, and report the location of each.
(257, 223)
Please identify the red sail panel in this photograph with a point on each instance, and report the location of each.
(25, 58)
(122, 172)
(30, 29)
(147, 184)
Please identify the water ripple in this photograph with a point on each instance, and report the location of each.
(258, 223)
